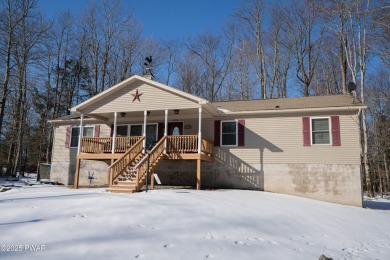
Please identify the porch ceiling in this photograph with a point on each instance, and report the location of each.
(189, 113)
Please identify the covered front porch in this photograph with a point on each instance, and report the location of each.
(135, 157)
(149, 122)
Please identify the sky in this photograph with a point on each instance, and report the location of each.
(162, 19)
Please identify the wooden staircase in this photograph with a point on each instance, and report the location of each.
(130, 171)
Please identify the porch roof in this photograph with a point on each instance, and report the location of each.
(114, 94)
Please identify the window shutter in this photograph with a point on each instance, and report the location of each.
(241, 132)
(112, 131)
(306, 131)
(97, 131)
(161, 127)
(217, 132)
(67, 137)
(336, 140)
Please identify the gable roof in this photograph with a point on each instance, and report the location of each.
(127, 82)
(311, 102)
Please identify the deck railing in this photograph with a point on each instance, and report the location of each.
(127, 159)
(175, 144)
(104, 144)
(142, 167)
(188, 144)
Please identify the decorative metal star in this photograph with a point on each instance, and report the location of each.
(136, 96)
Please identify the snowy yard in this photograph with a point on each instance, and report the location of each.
(52, 222)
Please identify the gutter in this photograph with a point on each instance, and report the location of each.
(261, 112)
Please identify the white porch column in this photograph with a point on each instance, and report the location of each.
(114, 133)
(80, 133)
(144, 130)
(166, 130)
(200, 132)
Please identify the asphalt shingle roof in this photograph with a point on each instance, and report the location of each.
(344, 100)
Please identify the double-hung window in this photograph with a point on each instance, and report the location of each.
(320, 131)
(74, 138)
(229, 133)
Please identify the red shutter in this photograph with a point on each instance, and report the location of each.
(112, 131)
(97, 131)
(306, 131)
(217, 132)
(241, 132)
(161, 127)
(335, 121)
(67, 137)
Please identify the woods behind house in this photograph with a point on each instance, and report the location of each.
(265, 50)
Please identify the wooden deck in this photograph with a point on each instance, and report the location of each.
(182, 147)
(129, 159)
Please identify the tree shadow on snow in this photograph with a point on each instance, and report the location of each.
(374, 204)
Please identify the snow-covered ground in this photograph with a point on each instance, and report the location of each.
(54, 222)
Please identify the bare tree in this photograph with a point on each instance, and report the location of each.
(251, 14)
(307, 34)
(216, 53)
(13, 13)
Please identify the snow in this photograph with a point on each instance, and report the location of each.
(187, 224)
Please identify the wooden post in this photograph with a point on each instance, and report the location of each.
(111, 174)
(152, 180)
(76, 177)
(198, 174)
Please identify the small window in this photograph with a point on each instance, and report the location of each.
(320, 131)
(229, 133)
(87, 132)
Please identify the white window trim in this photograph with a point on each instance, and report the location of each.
(82, 134)
(330, 130)
(230, 145)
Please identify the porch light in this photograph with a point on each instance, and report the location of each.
(148, 113)
(123, 114)
(176, 111)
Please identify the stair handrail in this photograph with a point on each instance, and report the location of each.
(152, 154)
(127, 158)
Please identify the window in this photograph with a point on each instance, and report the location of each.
(136, 130)
(229, 133)
(121, 130)
(320, 131)
(87, 132)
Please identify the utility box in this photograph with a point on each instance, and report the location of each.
(44, 171)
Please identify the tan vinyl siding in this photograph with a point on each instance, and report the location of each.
(272, 140)
(62, 154)
(152, 98)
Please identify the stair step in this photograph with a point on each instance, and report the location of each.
(121, 190)
(126, 183)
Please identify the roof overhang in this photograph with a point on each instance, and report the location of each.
(79, 108)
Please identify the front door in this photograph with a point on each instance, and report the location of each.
(175, 128)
